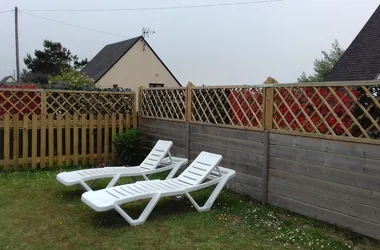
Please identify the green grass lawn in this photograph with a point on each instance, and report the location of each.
(37, 212)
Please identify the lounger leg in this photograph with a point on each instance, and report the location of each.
(144, 215)
(84, 185)
(173, 171)
(114, 180)
(210, 201)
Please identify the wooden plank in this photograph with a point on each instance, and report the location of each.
(25, 142)
(157, 123)
(34, 141)
(332, 146)
(135, 120)
(342, 220)
(248, 180)
(75, 136)
(244, 190)
(113, 131)
(265, 167)
(155, 137)
(128, 121)
(255, 159)
(16, 142)
(245, 135)
(99, 139)
(121, 120)
(106, 138)
(91, 133)
(336, 161)
(67, 139)
(51, 141)
(328, 137)
(235, 144)
(84, 140)
(352, 179)
(238, 166)
(59, 140)
(352, 194)
(268, 94)
(6, 141)
(327, 202)
(43, 141)
(165, 132)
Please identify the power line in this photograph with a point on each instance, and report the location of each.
(158, 8)
(73, 25)
(5, 11)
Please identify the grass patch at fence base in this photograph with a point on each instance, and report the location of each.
(37, 212)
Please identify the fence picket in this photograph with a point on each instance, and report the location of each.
(84, 140)
(6, 141)
(106, 137)
(59, 140)
(67, 139)
(51, 150)
(25, 141)
(16, 142)
(43, 141)
(99, 139)
(113, 136)
(75, 136)
(34, 141)
(91, 134)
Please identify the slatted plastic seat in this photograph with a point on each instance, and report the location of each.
(158, 160)
(202, 173)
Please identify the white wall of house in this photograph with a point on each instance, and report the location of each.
(138, 67)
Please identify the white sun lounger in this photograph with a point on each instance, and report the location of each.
(202, 173)
(155, 162)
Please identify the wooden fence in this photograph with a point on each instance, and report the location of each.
(312, 149)
(48, 141)
(40, 128)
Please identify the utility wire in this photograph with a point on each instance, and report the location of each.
(5, 11)
(69, 24)
(158, 8)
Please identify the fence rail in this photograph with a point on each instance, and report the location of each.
(49, 141)
(345, 110)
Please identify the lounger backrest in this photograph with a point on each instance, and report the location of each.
(159, 151)
(200, 168)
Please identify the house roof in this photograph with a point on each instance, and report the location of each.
(361, 61)
(6, 78)
(110, 55)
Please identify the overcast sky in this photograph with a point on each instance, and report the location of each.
(242, 44)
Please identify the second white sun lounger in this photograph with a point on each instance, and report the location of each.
(155, 162)
(202, 173)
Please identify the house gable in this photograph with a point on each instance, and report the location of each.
(361, 61)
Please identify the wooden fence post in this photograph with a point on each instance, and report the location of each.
(268, 107)
(188, 117)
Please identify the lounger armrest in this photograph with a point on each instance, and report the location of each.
(204, 185)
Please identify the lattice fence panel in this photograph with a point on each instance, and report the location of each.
(228, 106)
(20, 102)
(351, 111)
(164, 103)
(90, 102)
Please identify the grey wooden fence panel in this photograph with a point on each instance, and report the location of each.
(348, 178)
(339, 219)
(242, 151)
(327, 159)
(155, 130)
(324, 145)
(363, 196)
(337, 182)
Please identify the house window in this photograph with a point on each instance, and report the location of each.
(156, 85)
